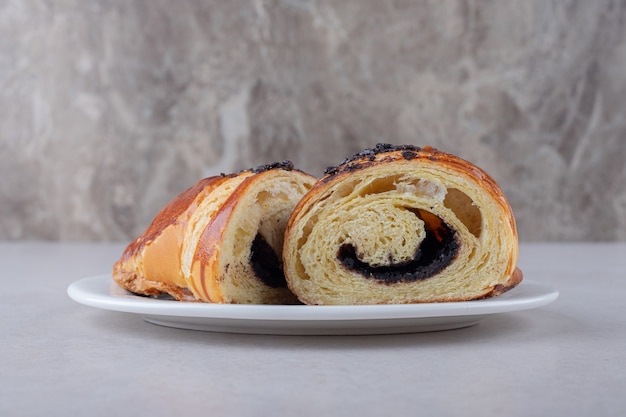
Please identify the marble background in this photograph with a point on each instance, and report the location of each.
(110, 108)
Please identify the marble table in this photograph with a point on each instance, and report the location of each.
(61, 358)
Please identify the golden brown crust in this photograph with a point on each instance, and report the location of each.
(393, 181)
(170, 214)
(515, 278)
(205, 261)
(151, 265)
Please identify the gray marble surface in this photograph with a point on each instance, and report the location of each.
(110, 108)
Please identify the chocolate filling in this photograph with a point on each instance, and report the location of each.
(266, 265)
(435, 252)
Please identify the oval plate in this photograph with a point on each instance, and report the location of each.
(102, 292)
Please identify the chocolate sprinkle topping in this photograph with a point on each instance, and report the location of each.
(286, 165)
(408, 155)
(408, 152)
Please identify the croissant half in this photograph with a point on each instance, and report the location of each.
(401, 224)
(219, 241)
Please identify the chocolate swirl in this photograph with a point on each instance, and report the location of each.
(434, 253)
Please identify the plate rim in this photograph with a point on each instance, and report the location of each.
(100, 291)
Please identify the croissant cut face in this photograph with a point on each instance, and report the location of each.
(220, 241)
(401, 225)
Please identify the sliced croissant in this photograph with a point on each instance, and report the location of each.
(401, 224)
(220, 241)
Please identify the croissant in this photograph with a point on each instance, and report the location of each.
(219, 241)
(401, 224)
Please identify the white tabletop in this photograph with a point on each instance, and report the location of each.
(62, 358)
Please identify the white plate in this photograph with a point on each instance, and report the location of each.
(102, 292)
